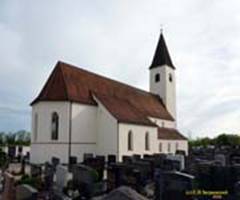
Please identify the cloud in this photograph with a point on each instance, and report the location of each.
(118, 39)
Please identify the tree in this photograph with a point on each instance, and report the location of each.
(221, 140)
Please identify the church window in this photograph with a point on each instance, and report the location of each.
(55, 126)
(130, 141)
(147, 142)
(35, 127)
(176, 146)
(170, 78)
(160, 147)
(157, 78)
(169, 147)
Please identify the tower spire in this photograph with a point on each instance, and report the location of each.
(161, 56)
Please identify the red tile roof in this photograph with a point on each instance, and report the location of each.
(169, 134)
(123, 110)
(69, 83)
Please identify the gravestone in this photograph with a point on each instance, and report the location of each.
(36, 170)
(180, 158)
(174, 185)
(9, 187)
(127, 159)
(145, 171)
(87, 155)
(61, 177)
(72, 162)
(26, 192)
(85, 180)
(111, 159)
(48, 176)
(124, 193)
(136, 157)
(55, 162)
(221, 159)
(23, 165)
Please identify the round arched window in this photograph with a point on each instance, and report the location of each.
(55, 126)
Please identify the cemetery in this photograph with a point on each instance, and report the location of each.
(147, 177)
(99, 177)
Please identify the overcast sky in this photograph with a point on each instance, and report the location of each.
(117, 39)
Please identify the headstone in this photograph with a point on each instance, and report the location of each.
(113, 176)
(111, 159)
(145, 171)
(9, 187)
(72, 162)
(127, 159)
(26, 192)
(220, 158)
(36, 170)
(124, 193)
(84, 179)
(23, 165)
(175, 185)
(61, 177)
(87, 155)
(136, 157)
(11, 152)
(48, 176)
(55, 162)
(180, 158)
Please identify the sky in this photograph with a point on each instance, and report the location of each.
(118, 39)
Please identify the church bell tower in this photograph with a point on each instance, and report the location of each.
(162, 76)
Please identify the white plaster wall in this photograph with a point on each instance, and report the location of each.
(164, 88)
(84, 128)
(84, 123)
(171, 92)
(42, 152)
(139, 132)
(83, 131)
(163, 123)
(43, 148)
(44, 111)
(182, 145)
(79, 149)
(107, 132)
(159, 87)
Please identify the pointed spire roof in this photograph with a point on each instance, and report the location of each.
(161, 56)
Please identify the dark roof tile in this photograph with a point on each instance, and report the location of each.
(161, 56)
(170, 134)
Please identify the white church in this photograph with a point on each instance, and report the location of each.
(79, 111)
